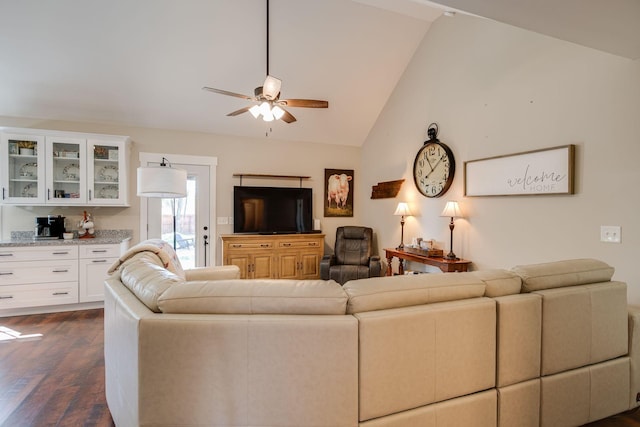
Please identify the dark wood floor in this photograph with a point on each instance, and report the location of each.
(58, 379)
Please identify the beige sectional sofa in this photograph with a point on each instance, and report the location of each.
(549, 344)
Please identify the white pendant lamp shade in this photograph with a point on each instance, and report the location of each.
(162, 181)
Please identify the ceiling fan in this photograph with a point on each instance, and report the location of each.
(267, 97)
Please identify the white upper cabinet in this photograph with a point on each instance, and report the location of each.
(107, 172)
(23, 178)
(42, 167)
(66, 168)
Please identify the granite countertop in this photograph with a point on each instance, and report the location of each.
(103, 237)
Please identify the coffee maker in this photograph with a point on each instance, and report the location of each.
(49, 227)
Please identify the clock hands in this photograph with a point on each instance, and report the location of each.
(437, 163)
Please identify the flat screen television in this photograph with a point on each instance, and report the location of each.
(272, 210)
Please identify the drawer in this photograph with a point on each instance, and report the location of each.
(299, 244)
(38, 295)
(33, 253)
(15, 273)
(251, 245)
(99, 251)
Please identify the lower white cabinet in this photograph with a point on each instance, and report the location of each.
(54, 275)
(95, 260)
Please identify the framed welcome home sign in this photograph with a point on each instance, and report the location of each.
(539, 172)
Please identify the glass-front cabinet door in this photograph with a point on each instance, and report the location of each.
(23, 167)
(106, 172)
(66, 171)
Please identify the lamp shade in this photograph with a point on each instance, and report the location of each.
(402, 210)
(162, 181)
(452, 210)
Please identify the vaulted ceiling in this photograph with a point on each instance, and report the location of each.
(144, 62)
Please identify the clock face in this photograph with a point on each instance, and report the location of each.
(433, 169)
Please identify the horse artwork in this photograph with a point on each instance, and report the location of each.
(338, 193)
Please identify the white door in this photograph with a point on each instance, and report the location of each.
(193, 214)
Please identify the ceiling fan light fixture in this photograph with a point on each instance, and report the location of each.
(255, 111)
(268, 117)
(277, 112)
(265, 108)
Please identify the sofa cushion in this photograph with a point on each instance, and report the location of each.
(379, 293)
(144, 274)
(162, 249)
(499, 282)
(560, 274)
(267, 296)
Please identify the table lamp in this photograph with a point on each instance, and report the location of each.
(402, 210)
(452, 210)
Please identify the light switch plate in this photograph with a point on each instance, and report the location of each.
(610, 233)
(223, 220)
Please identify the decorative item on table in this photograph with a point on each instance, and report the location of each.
(452, 210)
(402, 210)
(86, 226)
(423, 247)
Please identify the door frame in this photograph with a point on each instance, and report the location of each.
(212, 162)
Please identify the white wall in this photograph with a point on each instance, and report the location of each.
(494, 90)
(235, 155)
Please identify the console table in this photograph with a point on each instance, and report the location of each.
(446, 265)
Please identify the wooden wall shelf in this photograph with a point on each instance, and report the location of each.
(254, 175)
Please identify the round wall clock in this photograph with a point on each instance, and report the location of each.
(434, 166)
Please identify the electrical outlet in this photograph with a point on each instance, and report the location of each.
(223, 220)
(610, 233)
(230, 220)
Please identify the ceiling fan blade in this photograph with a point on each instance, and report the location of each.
(271, 87)
(226, 92)
(287, 117)
(307, 103)
(240, 111)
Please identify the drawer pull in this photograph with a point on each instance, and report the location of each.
(61, 253)
(5, 254)
(6, 274)
(286, 244)
(99, 251)
(61, 293)
(7, 297)
(264, 245)
(236, 245)
(99, 260)
(61, 271)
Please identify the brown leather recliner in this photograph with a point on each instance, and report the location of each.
(353, 257)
